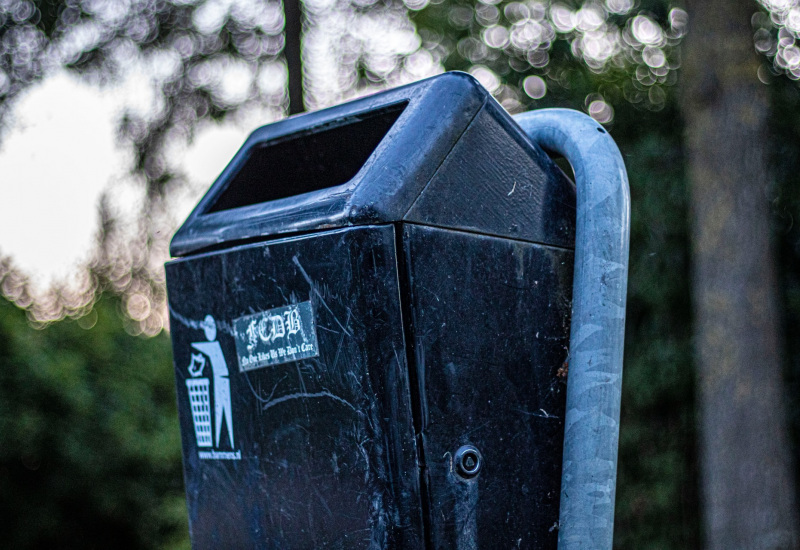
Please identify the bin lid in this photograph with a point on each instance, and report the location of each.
(438, 152)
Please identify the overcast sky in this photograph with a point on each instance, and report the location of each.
(60, 153)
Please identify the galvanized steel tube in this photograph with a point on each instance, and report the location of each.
(594, 382)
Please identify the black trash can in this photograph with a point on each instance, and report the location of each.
(370, 323)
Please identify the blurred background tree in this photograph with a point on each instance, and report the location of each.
(747, 477)
(68, 415)
(90, 454)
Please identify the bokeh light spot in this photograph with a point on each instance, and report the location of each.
(416, 5)
(654, 57)
(562, 17)
(486, 77)
(601, 111)
(535, 87)
(619, 7)
(495, 36)
(646, 31)
(138, 307)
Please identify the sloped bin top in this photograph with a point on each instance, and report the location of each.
(438, 152)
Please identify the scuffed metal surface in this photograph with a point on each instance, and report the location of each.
(441, 302)
(328, 456)
(490, 325)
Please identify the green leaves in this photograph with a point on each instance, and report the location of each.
(89, 441)
(616, 51)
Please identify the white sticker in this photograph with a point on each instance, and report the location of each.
(280, 335)
(201, 389)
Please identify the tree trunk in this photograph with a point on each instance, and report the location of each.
(747, 481)
(292, 50)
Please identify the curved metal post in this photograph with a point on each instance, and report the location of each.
(594, 383)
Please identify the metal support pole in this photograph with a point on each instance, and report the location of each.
(594, 383)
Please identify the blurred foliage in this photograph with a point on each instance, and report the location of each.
(203, 62)
(657, 495)
(90, 451)
(612, 51)
(187, 48)
(90, 447)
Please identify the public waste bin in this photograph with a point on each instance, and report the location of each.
(370, 314)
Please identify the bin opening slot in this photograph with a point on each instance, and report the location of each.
(322, 157)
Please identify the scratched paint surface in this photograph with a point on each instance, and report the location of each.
(491, 332)
(326, 452)
(458, 219)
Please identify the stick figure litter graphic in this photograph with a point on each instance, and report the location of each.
(199, 391)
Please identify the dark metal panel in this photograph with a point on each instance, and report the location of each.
(490, 324)
(496, 182)
(313, 453)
